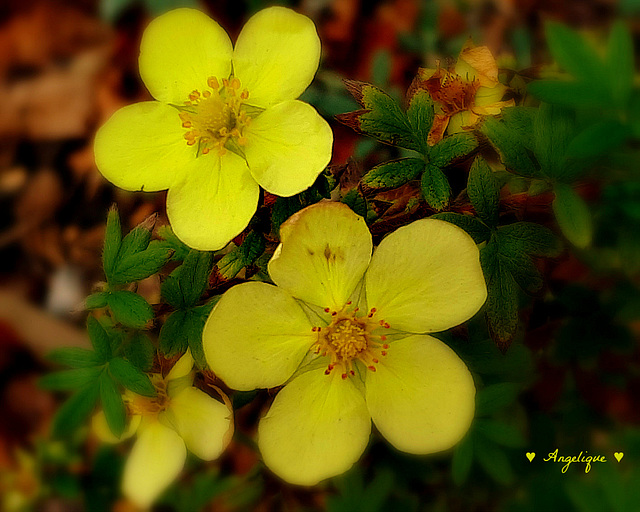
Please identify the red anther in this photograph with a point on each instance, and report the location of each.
(356, 310)
(334, 313)
(344, 376)
(313, 329)
(349, 303)
(386, 345)
(381, 322)
(384, 352)
(327, 371)
(372, 368)
(352, 372)
(373, 310)
(375, 360)
(386, 326)
(326, 310)
(383, 338)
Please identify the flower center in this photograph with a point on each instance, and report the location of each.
(148, 406)
(452, 91)
(214, 118)
(348, 338)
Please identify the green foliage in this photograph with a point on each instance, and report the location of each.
(452, 148)
(573, 216)
(240, 257)
(75, 410)
(131, 377)
(421, 115)
(435, 187)
(483, 191)
(393, 174)
(356, 201)
(130, 309)
(67, 380)
(477, 229)
(74, 357)
(112, 405)
(139, 351)
(598, 81)
(355, 494)
(186, 284)
(182, 330)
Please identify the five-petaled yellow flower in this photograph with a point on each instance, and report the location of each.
(179, 417)
(346, 332)
(226, 121)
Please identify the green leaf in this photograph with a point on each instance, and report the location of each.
(70, 379)
(573, 52)
(233, 262)
(112, 405)
(130, 377)
(462, 460)
(532, 238)
(171, 241)
(496, 397)
(99, 339)
(477, 229)
(173, 336)
(284, 208)
(553, 130)
(112, 241)
(186, 284)
(598, 139)
(75, 410)
(521, 267)
(621, 64)
(393, 174)
(502, 295)
(130, 309)
(568, 94)
(137, 240)
(74, 357)
(195, 327)
(381, 117)
(573, 216)
(500, 433)
(452, 148)
(494, 461)
(420, 115)
(356, 201)
(140, 265)
(435, 187)
(508, 144)
(483, 191)
(96, 300)
(140, 351)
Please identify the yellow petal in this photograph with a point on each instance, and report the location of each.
(179, 51)
(203, 423)
(426, 277)
(142, 147)
(256, 336)
(317, 427)
(422, 396)
(477, 63)
(182, 367)
(324, 252)
(276, 56)
(489, 95)
(101, 428)
(462, 121)
(156, 459)
(288, 145)
(214, 202)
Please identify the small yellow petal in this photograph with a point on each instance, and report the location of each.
(182, 367)
(324, 252)
(317, 427)
(203, 423)
(101, 429)
(422, 396)
(214, 202)
(156, 460)
(477, 63)
(141, 147)
(287, 147)
(256, 336)
(426, 277)
(276, 56)
(179, 51)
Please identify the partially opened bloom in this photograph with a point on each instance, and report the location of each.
(347, 333)
(464, 94)
(226, 121)
(180, 417)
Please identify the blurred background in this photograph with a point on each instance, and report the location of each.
(66, 66)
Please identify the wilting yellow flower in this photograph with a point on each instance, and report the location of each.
(352, 346)
(471, 90)
(180, 417)
(226, 121)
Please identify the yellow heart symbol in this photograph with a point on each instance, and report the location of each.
(618, 456)
(531, 455)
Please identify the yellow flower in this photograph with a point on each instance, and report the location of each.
(226, 121)
(470, 90)
(352, 346)
(180, 417)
